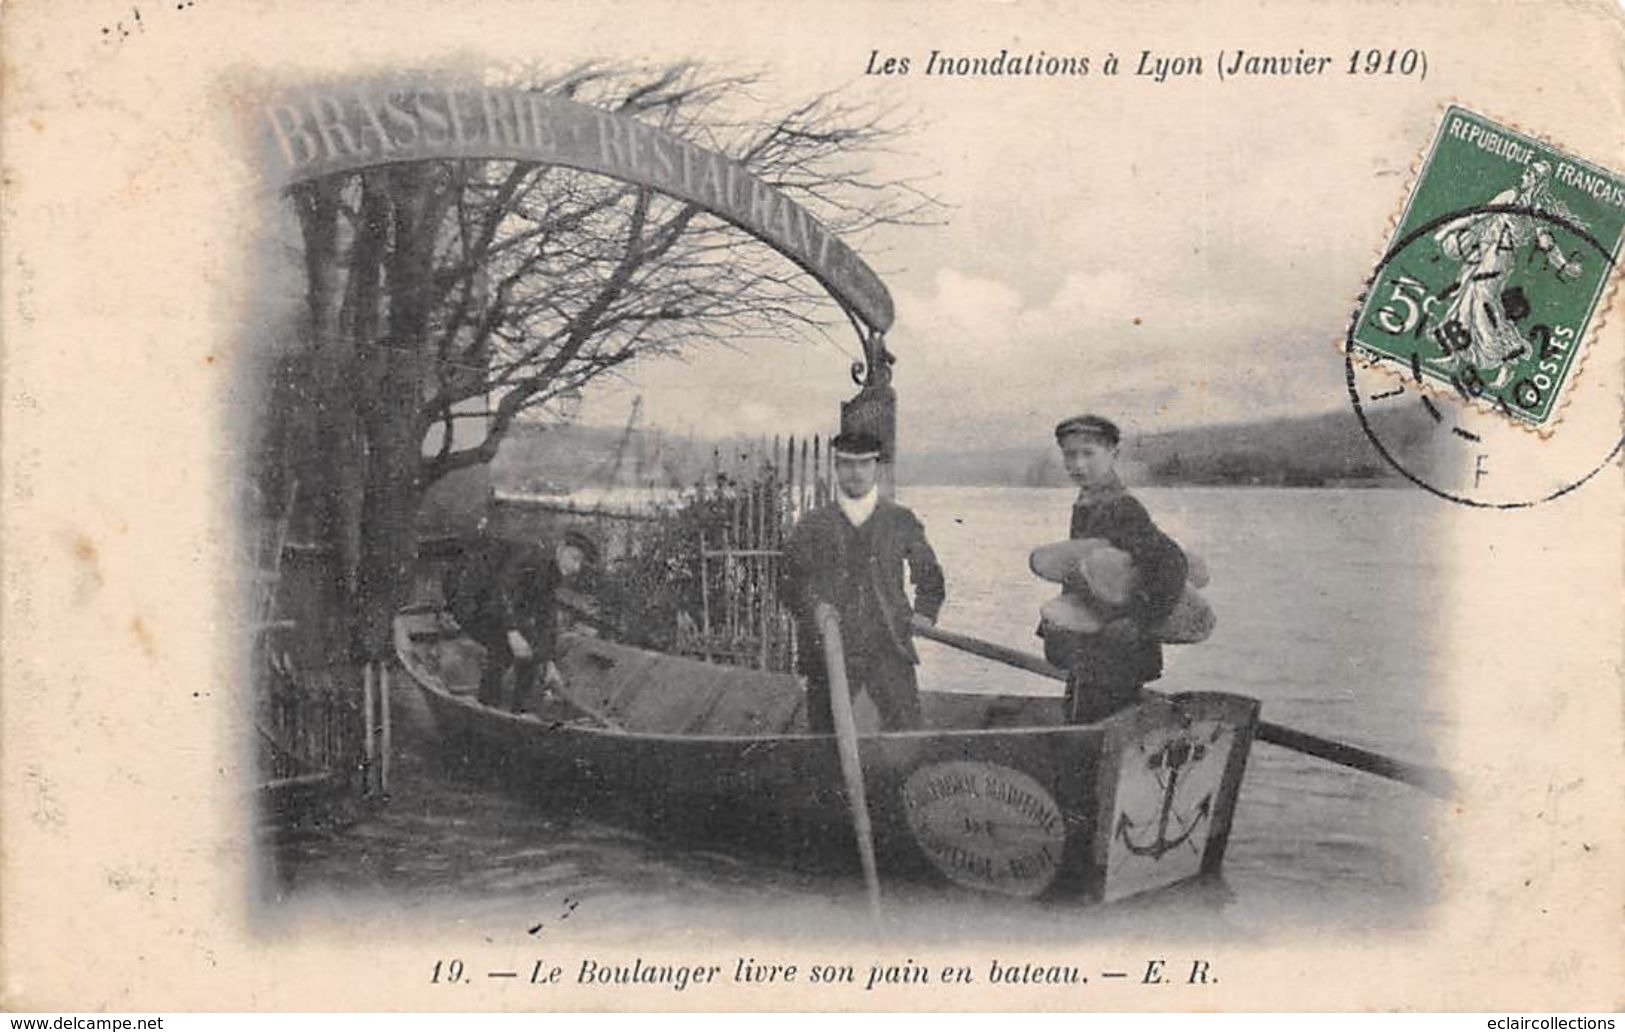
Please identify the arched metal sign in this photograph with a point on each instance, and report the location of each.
(344, 128)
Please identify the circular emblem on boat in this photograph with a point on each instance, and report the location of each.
(985, 826)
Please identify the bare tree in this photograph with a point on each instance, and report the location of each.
(436, 282)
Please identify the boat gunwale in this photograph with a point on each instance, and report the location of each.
(436, 686)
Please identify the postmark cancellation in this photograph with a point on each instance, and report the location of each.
(1495, 281)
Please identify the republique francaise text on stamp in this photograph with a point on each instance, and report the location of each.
(1493, 277)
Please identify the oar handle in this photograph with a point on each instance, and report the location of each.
(989, 650)
(1429, 779)
(846, 743)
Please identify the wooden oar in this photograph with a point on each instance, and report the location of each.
(1429, 779)
(846, 743)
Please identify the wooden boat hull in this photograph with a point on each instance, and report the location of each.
(995, 794)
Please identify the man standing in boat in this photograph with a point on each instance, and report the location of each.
(1106, 668)
(504, 596)
(850, 554)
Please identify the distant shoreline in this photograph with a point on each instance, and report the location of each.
(1326, 451)
(1331, 485)
(585, 501)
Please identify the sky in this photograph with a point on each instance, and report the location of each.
(1170, 254)
(1160, 256)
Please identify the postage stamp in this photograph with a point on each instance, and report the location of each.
(1493, 278)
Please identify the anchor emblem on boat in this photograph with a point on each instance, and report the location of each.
(1166, 764)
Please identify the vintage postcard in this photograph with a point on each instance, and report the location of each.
(855, 506)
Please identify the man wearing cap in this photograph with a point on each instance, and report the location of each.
(504, 596)
(1106, 669)
(850, 554)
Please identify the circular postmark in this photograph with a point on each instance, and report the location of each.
(986, 826)
(1463, 360)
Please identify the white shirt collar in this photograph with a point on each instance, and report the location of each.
(858, 510)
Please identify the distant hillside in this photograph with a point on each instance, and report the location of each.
(1304, 451)
(560, 459)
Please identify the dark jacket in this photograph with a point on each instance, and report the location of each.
(859, 570)
(1114, 515)
(503, 585)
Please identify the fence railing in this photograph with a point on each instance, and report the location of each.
(313, 727)
(712, 559)
(701, 573)
(744, 614)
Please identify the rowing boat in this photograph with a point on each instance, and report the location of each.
(994, 794)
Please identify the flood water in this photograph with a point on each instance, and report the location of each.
(1323, 599)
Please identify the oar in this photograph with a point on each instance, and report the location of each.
(846, 743)
(1429, 779)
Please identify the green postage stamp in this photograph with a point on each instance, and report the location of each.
(1497, 269)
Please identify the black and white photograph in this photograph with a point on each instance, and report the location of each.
(852, 507)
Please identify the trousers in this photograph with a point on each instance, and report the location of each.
(499, 658)
(886, 674)
(1101, 678)
(1088, 702)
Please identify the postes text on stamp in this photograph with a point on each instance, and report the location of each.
(1493, 277)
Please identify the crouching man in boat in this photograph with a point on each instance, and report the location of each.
(1107, 668)
(850, 554)
(504, 596)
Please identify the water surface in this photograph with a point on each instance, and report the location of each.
(1324, 599)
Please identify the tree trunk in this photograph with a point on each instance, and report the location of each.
(330, 439)
(369, 348)
(396, 372)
